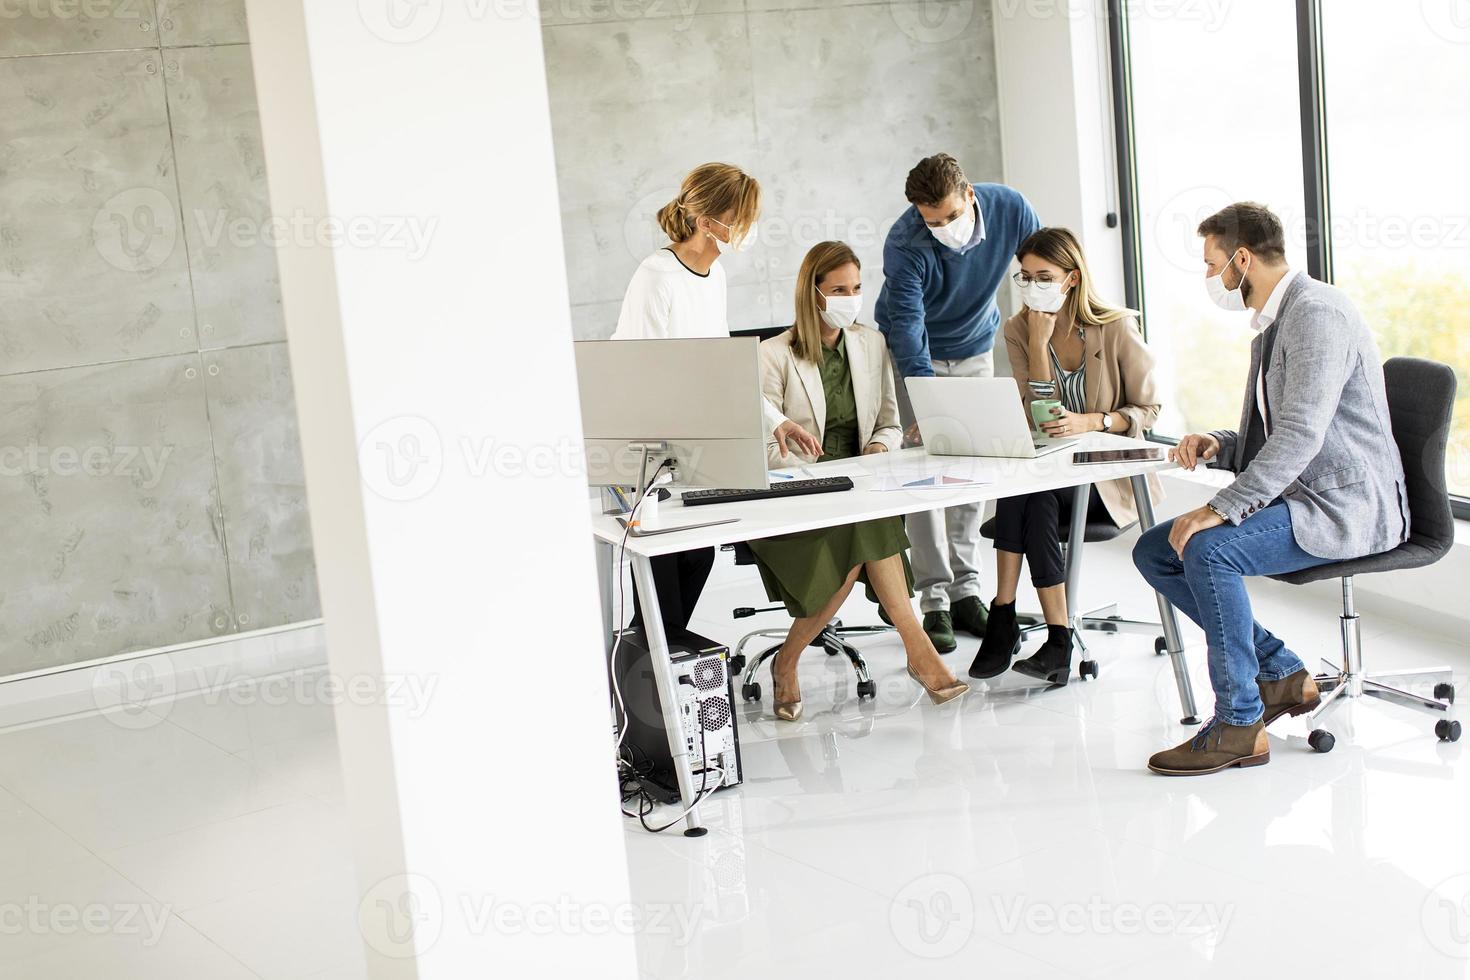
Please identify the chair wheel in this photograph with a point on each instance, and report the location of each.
(751, 691)
(1087, 668)
(1321, 740)
(867, 690)
(1448, 731)
(737, 664)
(1445, 692)
(1161, 646)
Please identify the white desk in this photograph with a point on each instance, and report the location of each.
(768, 518)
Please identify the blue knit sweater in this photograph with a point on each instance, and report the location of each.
(938, 302)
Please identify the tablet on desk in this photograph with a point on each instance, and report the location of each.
(1118, 456)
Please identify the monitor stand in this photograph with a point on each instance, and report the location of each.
(651, 451)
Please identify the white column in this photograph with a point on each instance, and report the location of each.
(434, 379)
(1056, 122)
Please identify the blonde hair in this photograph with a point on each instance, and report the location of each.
(709, 191)
(822, 259)
(1060, 247)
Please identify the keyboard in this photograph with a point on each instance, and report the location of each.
(786, 488)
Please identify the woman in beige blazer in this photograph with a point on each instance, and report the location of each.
(1069, 346)
(832, 376)
(793, 383)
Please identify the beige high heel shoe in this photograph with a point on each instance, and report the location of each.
(785, 710)
(942, 695)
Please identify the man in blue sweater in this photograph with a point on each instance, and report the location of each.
(943, 262)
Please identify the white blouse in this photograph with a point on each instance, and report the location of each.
(666, 300)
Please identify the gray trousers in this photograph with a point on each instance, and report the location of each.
(945, 544)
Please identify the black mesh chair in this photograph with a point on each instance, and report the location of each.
(1421, 397)
(833, 639)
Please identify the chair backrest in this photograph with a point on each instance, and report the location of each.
(761, 333)
(1421, 401)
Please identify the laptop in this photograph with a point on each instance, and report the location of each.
(976, 417)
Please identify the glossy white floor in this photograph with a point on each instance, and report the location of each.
(1016, 834)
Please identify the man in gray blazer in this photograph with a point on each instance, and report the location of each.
(1319, 479)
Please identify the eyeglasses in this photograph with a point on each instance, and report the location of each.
(1023, 280)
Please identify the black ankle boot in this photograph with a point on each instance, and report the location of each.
(1001, 644)
(1053, 662)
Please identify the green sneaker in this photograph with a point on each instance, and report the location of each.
(941, 630)
(970, 615)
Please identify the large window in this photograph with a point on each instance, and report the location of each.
(1398, 148)
(1204, 138)
(1211, 110)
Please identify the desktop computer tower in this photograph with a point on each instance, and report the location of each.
(705, 695)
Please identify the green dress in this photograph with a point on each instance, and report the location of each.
(806, 569)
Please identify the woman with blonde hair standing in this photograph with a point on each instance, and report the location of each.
(679, 292)
(1088, 358)
(833, 376)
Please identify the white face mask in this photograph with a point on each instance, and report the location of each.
(841, 311)
(957, 233)
(743, 245)
(1043, 297)
(1227, 299)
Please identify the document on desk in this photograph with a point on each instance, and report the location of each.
(877, 473)
(930, 482)
(953, 476)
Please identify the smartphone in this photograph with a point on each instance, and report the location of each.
(1118, 456)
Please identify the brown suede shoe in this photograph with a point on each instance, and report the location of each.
(1214, 747)
(1293, 695)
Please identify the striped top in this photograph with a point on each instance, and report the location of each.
(1070, 387)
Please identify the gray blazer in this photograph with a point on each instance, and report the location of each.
(1330, 455)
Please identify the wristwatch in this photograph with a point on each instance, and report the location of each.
(1107, 421)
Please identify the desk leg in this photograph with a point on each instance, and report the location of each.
(658, 649)
(608, 574)
(1076, 532)
(1144, 501)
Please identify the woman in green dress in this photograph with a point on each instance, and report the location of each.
(832, 376)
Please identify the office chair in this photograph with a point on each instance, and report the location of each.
(1421, 396)
(1103, 618)
(833, 639)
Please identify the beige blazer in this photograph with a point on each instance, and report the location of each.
(795, 387)
(1120, 378)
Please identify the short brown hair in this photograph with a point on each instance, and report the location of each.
(934, 179)
(1249, 225)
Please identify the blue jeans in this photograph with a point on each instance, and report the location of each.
(1208, 586)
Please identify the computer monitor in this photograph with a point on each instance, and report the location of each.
(699, 399)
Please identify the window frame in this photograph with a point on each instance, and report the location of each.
(1316, 167)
